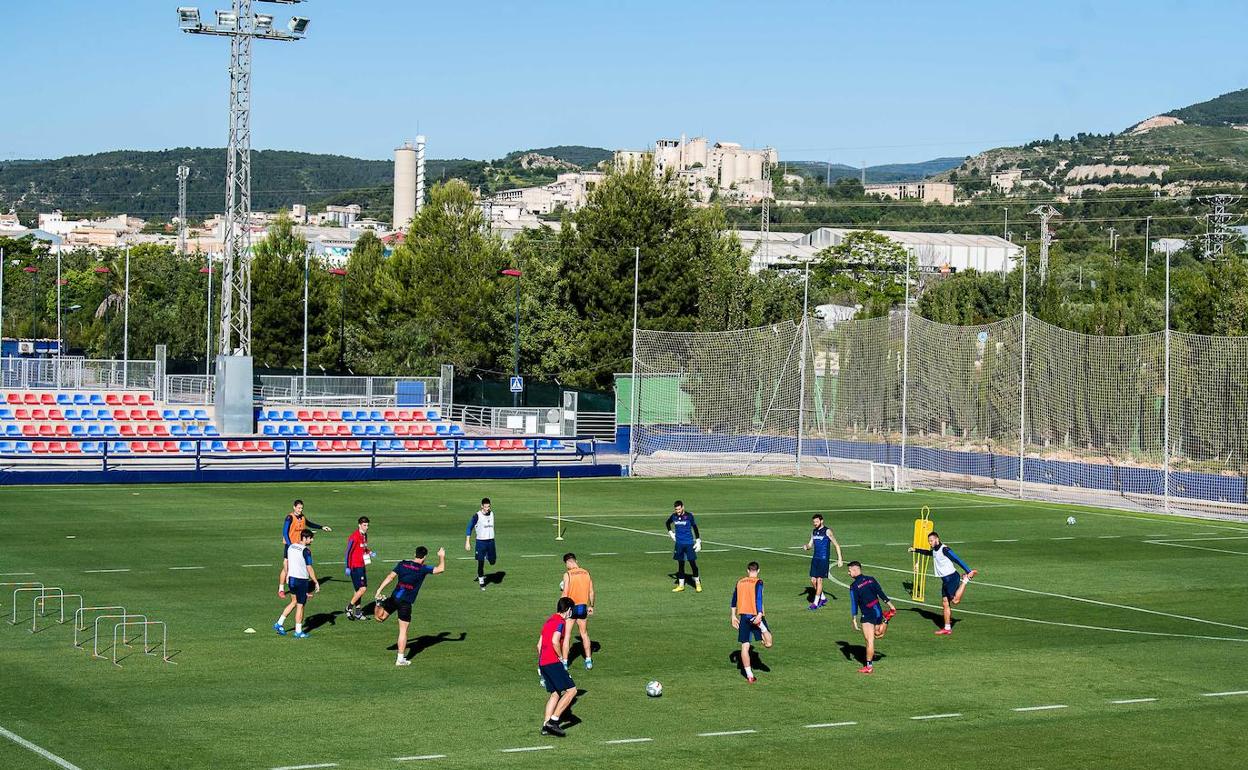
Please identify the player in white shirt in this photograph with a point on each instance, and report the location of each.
(297, 571)
(482, 526)
(945, 564)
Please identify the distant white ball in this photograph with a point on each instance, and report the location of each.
(1070, 520)
(654, 688)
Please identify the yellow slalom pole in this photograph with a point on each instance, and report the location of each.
(558, 506)
(922, 528)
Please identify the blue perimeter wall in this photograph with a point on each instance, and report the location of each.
(244, 475)
(1003, 467)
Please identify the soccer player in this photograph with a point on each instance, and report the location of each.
(357, 559)
(295, 523)
(298, 572)
(820, 537)
(579, 587)
(865, 595)
(945, 564)
(482, 523)
(554, 673)
(411, 575)
(746, 612)
(684, 532)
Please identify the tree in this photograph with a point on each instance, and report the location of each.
(866, 269)
(277, 301)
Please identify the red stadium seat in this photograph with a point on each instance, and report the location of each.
(135, 414)
(38, 414)
(56, 447)
(112, 399)
(31, 399)
(428, 430)
(15, 398)
(314, 430)
(353, 445)
(333, 415)
(317, 415)
(171, 446)
(404, 415)
(155, 447)
(146, 400)
(390, 415)
(73, 448)
(492, 444)
(160, 430)
(153, 415)
(303, 415)
(47, 430)
(39, 447)
(411, 444)
(233, 446)
(138, 446)
(128, 430)
(339, 445)
(249, 446)
(121, 414)
(324, 446)
(425, 444)
(56, 414)
(129, 399)
(264, 446)
(22, 414)
(439, 445)
(400, 430)
(418, 415)
(144, 430)
(47, 399)
(30, 429)
(62, 430)
(344, 430)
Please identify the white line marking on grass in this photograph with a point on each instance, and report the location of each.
(54, 759)
(619, 741)
(894, 545)
(1197, 547)
(715, 550)
(91, 571)
(965, 611)
(257, 565)
(188, 568)
(726, 732)
(936, 716)
(1132, 700)
(525, 748)
(1061, 538)
(1006, 541)
(1042, 708)
(1216, 536)
(651, 515)
(606, 553)
(1160, 519)
(831, 724)
(306, 767)
(1222, 694)
(16, 573)
(420, 757)
(1107, 537)
(466, 558)
(650, 552)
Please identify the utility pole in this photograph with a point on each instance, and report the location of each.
(183, 173)
(1006, 231)
(1045, 212)
(1113, 239)
(241, 26)
(764, 229)
(1218, 223)
(1147, 244)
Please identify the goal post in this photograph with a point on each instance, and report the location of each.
(888, 476)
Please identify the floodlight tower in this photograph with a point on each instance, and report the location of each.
(241, 26)
(183, 173)
(1045, 212)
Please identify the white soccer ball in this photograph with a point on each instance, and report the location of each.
(1070, 520)
(654, 688)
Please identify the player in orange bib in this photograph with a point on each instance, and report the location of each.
(746, 611)
(578, 586)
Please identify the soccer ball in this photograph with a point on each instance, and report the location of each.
(654, 688)
(1070, 520)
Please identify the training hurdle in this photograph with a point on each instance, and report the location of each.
(38, 608)
(164, 642)
(81, 613)
(95, 645)
(42, 589)
(27, 583)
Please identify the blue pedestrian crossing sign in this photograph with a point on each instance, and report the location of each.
(517, 384)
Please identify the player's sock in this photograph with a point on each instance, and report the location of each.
(281, 620)
(298, 628)
(948, 627)
(749, 673)
(681, 582)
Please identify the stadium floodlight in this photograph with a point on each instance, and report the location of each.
(242, 26)
(188, 18)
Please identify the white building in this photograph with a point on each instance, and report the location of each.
(736, 172)
(926, 192)
(933, 251)
(569, 191)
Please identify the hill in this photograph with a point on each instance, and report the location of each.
(1226, 110)
(143, 183)
(889, 172)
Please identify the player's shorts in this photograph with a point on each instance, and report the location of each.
(685, 552)
(873, 615)
(359, 578)
(299, 587)
(749, 632)
(949, 585)
(486, 552)
(819, 568)
(556, 677)
(580, 612)
(404, 609)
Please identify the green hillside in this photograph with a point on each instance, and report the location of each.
(1225, 110)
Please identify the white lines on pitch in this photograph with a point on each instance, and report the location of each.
(831, 724)
(895, 545)
(1125, 701)
(420, 757)
(1224, 694)
(257, 565)
(188, 568)
(91, 571)
(606, 553)
(54, 759)
(726, 732)
(1061, 538)
(525, 748)
(1107, 537)
(1011, 540)
(466, 558)
(536, 555)
(307, 767)
(1042, 708)
(6, 574)
(936, 716)
(619, 741)
(650, 552)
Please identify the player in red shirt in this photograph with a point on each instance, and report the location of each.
(358, 557)
(554, 674)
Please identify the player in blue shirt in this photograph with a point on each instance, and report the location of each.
(684, 532)
(866, 596)
(820, 539)
(410, 574)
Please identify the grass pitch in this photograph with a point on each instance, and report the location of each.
(1127, 625)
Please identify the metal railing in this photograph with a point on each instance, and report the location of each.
(77, 373)
(189, 388)
(329, 390)
(600, 425)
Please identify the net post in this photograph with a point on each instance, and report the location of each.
(1022, 388)
(801, 368)
(558, 505)
(905, 362)
(1165, 444)
(635, 386)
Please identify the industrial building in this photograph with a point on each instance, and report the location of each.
(569, 191)
(409, 182)
(737, 173)
(925, 192)
(934, 252)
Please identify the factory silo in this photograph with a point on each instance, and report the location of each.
(405, 184)
(420, 173)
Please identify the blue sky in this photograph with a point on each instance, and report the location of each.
(848, 81)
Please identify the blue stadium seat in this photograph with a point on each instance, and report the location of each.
(301, 430)
(63, 399)
(279, 446)
(348, 415)
(193, 430)
(285, 430)
(187, 447)
(6, 447)
(358, 430)
(457, 430)
(177, 431)
(104, 415)
(530, 443)
(95, 430)
(432, 415)
(366, 445)
(78, 430)
(80, 399)
(218, 446)
(270, 430)
(110, 431)
(168, 414)
(443, 430)
(72, 414)
(372, 430)
(12, 430)
(118, 448)
(22, 447)
(387, 430)
(375, 416)
(211, 430)
(201, 414)
(186, 415)
(83, 414)
(6, 414)
(96, 399)
(288, 416)
(90, 447)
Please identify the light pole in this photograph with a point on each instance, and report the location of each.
(60, 338)
(206, 270)
(1148, 220)
(34, 273)
(125, 332)
(241, 26)
(342, 319)
(1006, 230)
(307, 257)
(512, 272)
